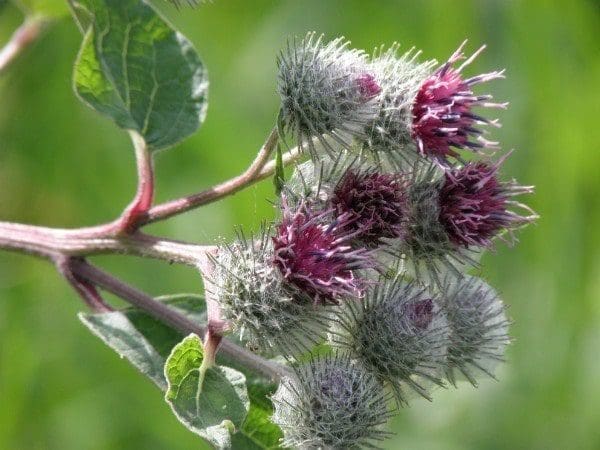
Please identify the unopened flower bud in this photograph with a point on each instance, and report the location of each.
(327, 90)
(399, 332)
(331, 403)
(268, 314)
(479, 329)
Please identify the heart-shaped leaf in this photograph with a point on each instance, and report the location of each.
(136, 69)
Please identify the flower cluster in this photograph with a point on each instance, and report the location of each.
(375, 233)
(390, 104)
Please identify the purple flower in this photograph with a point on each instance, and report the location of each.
(368, 86)
(317, 258)
(443, 110)
(376, 202)
(420, 313)
(475, 206)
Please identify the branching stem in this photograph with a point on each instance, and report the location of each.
(260, 169)
(145, 191)
(173, 318)
(67, 248)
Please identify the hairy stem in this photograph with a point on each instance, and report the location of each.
(260, 169)
(21, 39)
(173, 318)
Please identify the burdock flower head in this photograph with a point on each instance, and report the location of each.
(314, 255)
(327, 90)
(399, 332)
(376, 201)
(255, 300)
(331, 403)
(479, 329)
(388, 136)
(475, 206)
(443, 114)
(455, 213)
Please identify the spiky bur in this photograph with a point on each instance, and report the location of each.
(389, 134)
(269, 315)
(331, 403)
(313, 254)
(455, 214)
(427, 249)
(475, 206)
(375, 201)
(327, 91)
(399, 332)
(479, 329)
(443, 116)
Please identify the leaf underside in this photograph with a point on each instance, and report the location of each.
(147, 343)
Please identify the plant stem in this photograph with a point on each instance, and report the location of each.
(21, 39)
(174, 319)
(260, 169)
(86, 290)
(49, 242)
(142, 201)
(67, 247)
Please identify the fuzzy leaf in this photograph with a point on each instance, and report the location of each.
(134, 68)
(146, 343)
(258, 432)
(142, 340)
(115, 329)
(211, 402)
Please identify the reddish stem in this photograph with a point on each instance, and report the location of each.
(131, 218)
(86, 290)
(258, 170)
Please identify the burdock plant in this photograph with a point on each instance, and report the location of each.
(357, 295)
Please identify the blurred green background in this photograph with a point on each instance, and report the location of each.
(63, 165)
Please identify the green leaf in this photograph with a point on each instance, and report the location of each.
(142, 340)
(146, 343)
(258, 432)
(119, 334)
(134, 68)
(210, 401)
